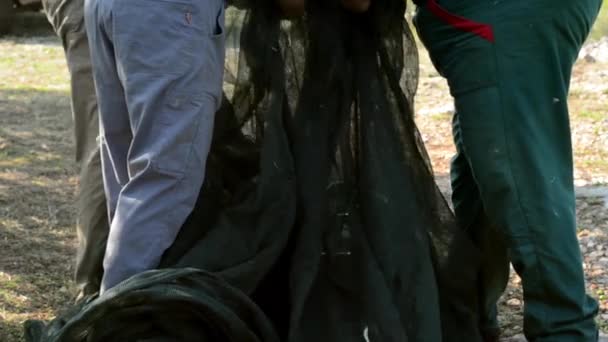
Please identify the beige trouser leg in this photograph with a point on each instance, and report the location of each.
(67, 19)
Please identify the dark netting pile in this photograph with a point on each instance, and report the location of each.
(319, 219)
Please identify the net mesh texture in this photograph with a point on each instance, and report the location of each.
(319, 219)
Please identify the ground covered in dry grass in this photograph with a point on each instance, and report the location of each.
(37, 182)
(37, 177)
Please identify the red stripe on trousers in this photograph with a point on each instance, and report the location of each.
(461, 23)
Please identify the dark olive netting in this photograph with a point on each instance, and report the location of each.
(319, 219)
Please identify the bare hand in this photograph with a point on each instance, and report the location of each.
(358, 6)
(296, 8)
(292, 8)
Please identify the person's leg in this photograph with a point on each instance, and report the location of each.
(113, 113)
(170, 61)
(508, 65)
(468, 207)
(92, 225)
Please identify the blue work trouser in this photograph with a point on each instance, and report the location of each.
(158, 69)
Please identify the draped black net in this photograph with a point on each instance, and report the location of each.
(319, 219)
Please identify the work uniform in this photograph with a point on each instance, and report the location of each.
(158, 68)
(508, 65)
(67, 19)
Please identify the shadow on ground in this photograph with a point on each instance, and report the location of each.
(37, 183)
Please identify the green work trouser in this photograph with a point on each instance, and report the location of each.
(66, 17)
(508, 64)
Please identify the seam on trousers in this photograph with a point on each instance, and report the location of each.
(188, 162)
(531, 236)
(461, 150)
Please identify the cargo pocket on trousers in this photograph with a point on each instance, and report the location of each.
(176, 131)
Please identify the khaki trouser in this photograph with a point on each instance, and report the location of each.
(66, 17)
